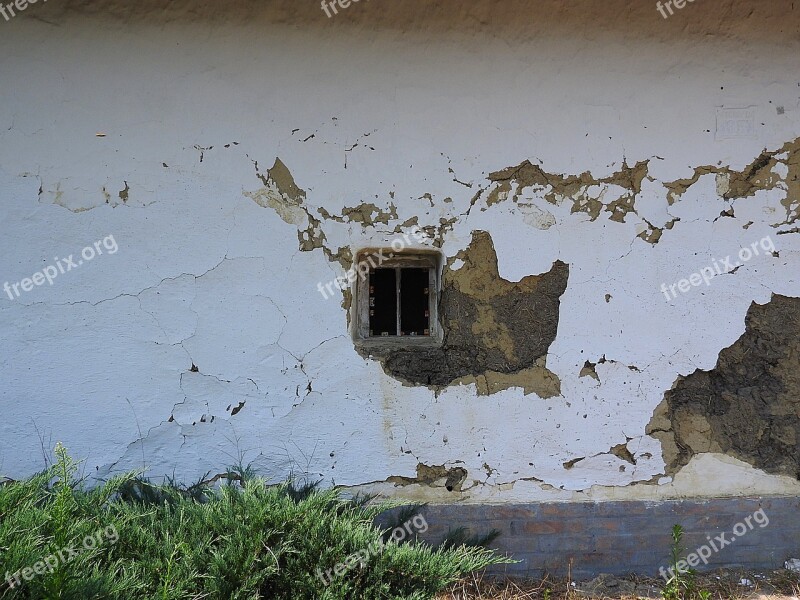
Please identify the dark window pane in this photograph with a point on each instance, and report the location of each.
(383, 302)
(414, 306)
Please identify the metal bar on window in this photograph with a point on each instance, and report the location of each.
(398, 275)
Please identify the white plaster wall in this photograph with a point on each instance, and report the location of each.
(368, 107)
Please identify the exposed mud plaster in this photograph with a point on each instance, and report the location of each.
(575, 187)
(437, 233)
(653, 234)
(615, 195)
(280, 176)
(281, 194)
(748, 406)
(123, 194)
(677, 188)
(497, 332)
(537, 379)
(732, 477)
(366, 214)
(588, 193)
(434, 476)
(621, 451)
(250, 323)
(408, 223)
(761, 174)
(589, 370)
(286, 198)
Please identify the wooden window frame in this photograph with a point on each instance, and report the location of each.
(416, 258)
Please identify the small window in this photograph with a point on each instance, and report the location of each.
(397, 299)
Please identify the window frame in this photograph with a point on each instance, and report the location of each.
(412, 258)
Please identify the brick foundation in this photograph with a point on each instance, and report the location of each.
(625, 537)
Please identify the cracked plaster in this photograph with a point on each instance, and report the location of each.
(204, 340)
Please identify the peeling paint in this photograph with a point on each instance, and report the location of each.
(281, 194)
(497, 332)
(748, 406)
(366, 214)
(549, 265)
(577, 188)
(758, 175)
(450, 479)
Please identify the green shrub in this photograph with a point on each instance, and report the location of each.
(245, 540)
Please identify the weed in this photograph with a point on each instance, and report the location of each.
(682, 582)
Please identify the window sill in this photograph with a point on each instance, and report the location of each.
(405, 342)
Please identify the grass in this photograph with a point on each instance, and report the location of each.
(241, 541)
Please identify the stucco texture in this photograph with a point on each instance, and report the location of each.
(568, 163)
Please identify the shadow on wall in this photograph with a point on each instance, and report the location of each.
(746, 21)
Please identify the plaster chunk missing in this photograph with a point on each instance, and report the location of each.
(366, 214)
(748, 406)
(281, 194)
(537, 379)
(622, 452)
(286, 198)
(497, 332)
(652, 234)
(589, 370)
(434, 476)
(578, 188)
(761, 174)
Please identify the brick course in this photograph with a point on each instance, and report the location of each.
(624, 537)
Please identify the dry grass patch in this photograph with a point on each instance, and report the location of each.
(723, 585)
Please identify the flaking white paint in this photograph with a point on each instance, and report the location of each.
(209, 274)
